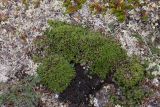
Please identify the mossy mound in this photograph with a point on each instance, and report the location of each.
(56, 73)
(130, 74)
(66, 46)
(80, 45)
(71, 43)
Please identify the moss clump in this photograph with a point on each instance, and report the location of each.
(130, 74)
(128, 77)
(56, 73)
(83, 46)
(65, 43)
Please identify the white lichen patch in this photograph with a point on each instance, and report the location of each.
(3, 75)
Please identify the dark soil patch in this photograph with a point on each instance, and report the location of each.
(77, 94)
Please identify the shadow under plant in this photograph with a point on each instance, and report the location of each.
(75, 62)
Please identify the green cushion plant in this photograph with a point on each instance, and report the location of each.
(130, 74)
(80, 45)
(56, 73)
(128, 77)
(65, 45)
